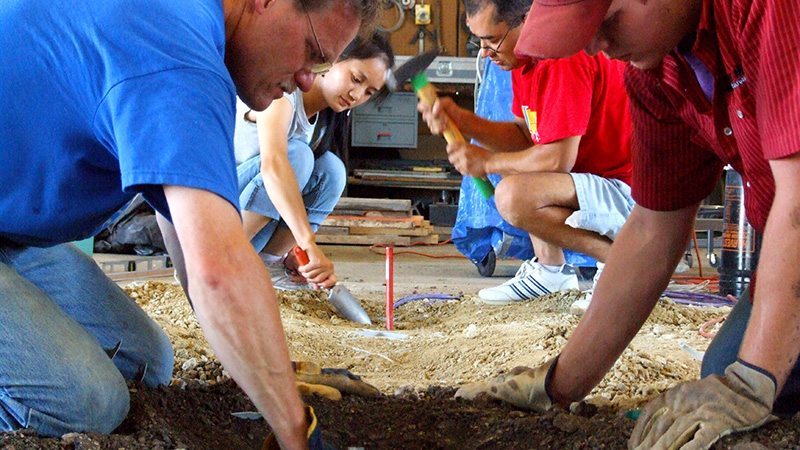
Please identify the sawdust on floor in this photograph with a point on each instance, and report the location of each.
(446, 342)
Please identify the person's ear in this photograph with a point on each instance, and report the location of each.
(261, 5)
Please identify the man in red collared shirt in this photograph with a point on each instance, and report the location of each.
(565, 159)
(711, 82)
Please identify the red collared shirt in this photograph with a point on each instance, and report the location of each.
(578, 96)
(682, 140)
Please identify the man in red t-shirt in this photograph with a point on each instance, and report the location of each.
(565, 161)
(711, 82)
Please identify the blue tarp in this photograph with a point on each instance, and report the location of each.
(479, 228)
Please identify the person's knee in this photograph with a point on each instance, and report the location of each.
(335, 173)
(327, 183)
(508, 201)
(97, 399)
(160, 358)
(301, 159)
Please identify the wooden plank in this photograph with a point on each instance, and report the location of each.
(339, 231)
(416, 231)
(140, 274)
(358, 212)
(374, 222)
(373, 204)
(429, 239)
(440, 229)
(363, 240)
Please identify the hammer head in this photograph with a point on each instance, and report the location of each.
(396, 77)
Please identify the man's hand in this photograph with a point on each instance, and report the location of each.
(695, 415)
(468, 159)
(314, 434)
(436, 116)
(523, 387)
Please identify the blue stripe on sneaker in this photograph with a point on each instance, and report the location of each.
(531, 290)
(543, 289)
(520, 295)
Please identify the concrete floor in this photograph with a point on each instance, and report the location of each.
(363, 271)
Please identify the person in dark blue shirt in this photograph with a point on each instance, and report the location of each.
(140, 98)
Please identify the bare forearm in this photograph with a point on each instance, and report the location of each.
(638, 269)
(496, 136)
(772, 340)
(242, 324)
(236, 306)
(284, 192)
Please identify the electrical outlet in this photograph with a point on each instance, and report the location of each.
(422, 14)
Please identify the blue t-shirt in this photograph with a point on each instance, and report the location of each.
(105, 99)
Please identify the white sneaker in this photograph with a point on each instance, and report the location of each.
(281, 278)
(531, 281)
(579, 307)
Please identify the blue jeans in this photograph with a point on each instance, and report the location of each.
(725, 348)
(321, 181)
(59, 312)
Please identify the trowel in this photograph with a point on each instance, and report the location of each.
(340, 297)
(395, 78)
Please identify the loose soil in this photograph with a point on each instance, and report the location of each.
(445, 344)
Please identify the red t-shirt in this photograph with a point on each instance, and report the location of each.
(682, 140)
(578, 96)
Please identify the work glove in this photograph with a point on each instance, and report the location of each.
(329, 383)
(314, 434)
(523, 387)
(695, 415)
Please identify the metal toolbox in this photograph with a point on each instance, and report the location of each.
(378, 133)
(402, 105)
(390, 123)
(448, 69)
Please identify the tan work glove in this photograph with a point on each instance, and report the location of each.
(523, 387)
(329, 383)
(695, 415)
(313, 433)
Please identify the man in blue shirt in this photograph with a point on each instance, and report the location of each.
(101, 102)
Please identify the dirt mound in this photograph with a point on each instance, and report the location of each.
(199, 417)
(446, 342)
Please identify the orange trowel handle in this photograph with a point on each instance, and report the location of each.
(300, 255)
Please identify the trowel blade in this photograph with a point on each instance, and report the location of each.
(247, 415)
(396, 77)
(347, 305)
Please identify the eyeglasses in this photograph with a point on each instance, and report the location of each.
(493, 51)
(318, 68)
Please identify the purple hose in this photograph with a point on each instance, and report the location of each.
(698, 298)
(431, 297)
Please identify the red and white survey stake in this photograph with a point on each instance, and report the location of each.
(390, 288)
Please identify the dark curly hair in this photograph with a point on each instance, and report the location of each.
(508, 11)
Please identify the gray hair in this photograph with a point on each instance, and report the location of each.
(367, 11)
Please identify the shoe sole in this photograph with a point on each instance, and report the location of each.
(503, 302)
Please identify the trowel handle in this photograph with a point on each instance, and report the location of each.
(300, 255)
